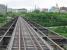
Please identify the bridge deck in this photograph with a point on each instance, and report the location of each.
(26, 38)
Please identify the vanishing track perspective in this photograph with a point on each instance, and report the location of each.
(49, 35)
(20, 35)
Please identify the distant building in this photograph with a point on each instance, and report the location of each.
(16, 10)
(54, 9)
(44, 10)
(3, 9)
(63, 9)
(9, 9)
(22, 10)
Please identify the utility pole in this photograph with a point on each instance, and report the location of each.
(57, 6)
(5, 13)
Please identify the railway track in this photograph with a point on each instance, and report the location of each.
(50, 35)
(6, 33)
(39, 43)
(25, 38)
(19, 35)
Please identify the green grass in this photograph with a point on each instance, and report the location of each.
(48, 19)
(3, 20)
(60, 30)
(65, 47)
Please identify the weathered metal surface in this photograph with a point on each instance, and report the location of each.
(26, 38)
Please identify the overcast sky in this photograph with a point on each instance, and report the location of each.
(30, 4)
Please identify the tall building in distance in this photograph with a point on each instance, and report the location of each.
(63, 9)
(16, 10)
(3, 9)
(44, 10)
(23, 10)
(54, 8)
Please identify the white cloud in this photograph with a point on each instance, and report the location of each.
(3, 1)
(31, 3)
(20, 3)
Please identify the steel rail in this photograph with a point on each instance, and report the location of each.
(50, 30)
(6, 31)
(19, 35)
(30, 28)
(22, 35)
(30, 36)
(21, 27)
(9, 47)
(50, 39)
(35, 39)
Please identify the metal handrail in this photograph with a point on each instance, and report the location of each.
(6, 31)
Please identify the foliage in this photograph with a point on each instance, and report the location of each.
(48, 18)
(2, 19)
(61, 30)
